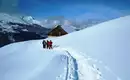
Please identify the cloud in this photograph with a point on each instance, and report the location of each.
(66, 22)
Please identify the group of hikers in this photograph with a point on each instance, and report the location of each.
(47, 44)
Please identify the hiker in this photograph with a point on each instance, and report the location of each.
(44, 43)
(50, 44)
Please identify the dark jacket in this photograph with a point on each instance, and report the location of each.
(44, 42)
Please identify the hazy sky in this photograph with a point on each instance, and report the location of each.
(81, 9)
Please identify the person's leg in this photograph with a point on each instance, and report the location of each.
(47, 46)
(51, 46)
(43, 46)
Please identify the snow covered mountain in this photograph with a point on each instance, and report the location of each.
(31, 20)
(100, 52)
(4, 17)
(20, 28)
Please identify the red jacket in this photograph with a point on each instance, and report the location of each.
(50, 43)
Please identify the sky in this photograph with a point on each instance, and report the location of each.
(73, 9)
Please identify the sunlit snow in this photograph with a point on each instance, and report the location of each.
(100, 52)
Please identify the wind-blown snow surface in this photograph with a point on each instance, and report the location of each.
(105, 46)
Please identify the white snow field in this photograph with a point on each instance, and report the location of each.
(100, 52)
(29, 61)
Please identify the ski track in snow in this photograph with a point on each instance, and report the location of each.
(80, 61)
(72, 68)
(78, 67)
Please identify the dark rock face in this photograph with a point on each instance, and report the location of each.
(4, 39)
(22, 32)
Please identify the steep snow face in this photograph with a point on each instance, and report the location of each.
(108, 42)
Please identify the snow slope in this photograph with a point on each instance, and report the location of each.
(23, 62)
(108, 43)
(100, 52)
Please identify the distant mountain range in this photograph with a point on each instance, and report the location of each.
(75, 24)
(15, 28)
